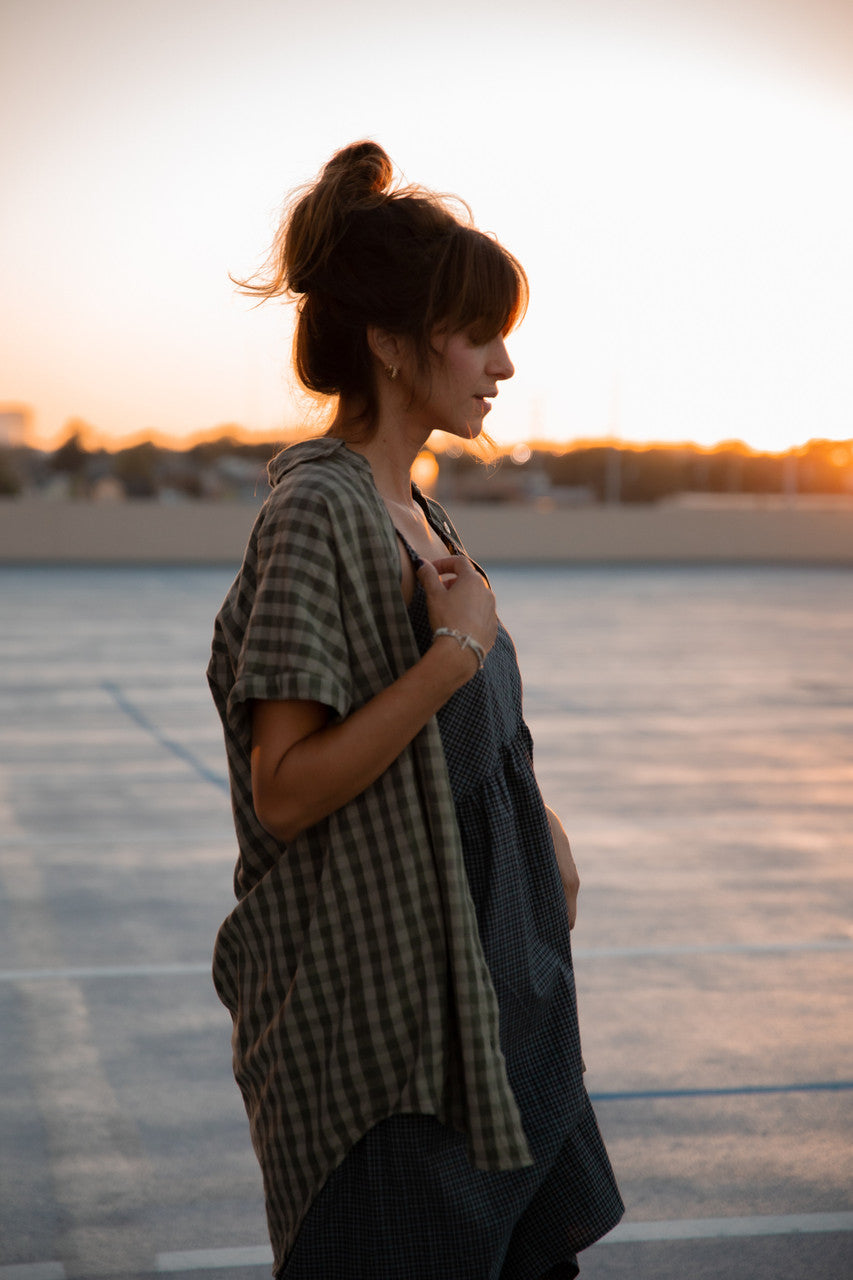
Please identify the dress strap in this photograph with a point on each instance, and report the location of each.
(416, 560)
(443, 530)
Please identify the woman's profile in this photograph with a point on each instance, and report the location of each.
(398, 964)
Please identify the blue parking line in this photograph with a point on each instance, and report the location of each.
(169, 744)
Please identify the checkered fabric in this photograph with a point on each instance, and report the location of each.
(352, 964)
(406, 1203)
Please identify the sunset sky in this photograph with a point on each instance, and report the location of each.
(676, 175)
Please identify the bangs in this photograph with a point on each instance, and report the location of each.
(479, 287)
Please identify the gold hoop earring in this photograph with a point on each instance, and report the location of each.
(392, 372)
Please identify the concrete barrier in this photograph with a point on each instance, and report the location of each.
(36, 531)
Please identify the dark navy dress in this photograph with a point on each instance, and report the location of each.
(406, 1204)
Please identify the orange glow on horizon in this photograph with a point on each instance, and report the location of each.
(840, 452)
(93, 438)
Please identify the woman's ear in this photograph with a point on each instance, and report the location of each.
(389, 348)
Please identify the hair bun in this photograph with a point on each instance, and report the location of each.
(359, 170)
(357, 178)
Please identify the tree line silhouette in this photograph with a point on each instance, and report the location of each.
(228, 467)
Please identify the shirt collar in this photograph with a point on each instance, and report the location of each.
(321, 448)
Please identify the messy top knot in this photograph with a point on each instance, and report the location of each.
(363, 166)
(355, 249)
(356, 178)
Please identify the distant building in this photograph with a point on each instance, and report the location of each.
(15, 422)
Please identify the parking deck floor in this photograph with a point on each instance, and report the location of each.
(706, 777)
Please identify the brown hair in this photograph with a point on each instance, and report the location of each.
(357, 250)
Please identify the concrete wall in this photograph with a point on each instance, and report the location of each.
(37, 531)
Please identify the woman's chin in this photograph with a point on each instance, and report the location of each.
(468, 430)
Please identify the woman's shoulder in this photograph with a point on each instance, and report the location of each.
(320, 477)
(318, 457)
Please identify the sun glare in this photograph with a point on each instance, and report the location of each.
(684, 220)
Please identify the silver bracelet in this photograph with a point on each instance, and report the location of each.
(465, 642)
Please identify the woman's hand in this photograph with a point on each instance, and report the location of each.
(566, 864)
(464, 601)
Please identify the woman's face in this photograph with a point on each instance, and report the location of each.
(464, 379)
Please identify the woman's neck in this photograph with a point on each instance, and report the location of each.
(399, 436)
(391, 454)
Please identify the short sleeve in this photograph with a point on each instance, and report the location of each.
(294, 645)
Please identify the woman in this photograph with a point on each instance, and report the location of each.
(398, 965)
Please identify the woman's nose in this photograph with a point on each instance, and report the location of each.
(500, 364)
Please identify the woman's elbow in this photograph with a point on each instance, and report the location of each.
(276, 817)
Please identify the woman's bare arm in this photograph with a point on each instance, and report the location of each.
(566, 864)
(303, 768)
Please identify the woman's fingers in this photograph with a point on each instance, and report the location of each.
(464, 604)
(459, 566)
(449, 564)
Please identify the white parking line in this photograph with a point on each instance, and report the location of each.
(712, 949)
(105, 971)
(211, 1259)
(786, 1224)
(584, 953)
(626, 1233)
(33, 1271)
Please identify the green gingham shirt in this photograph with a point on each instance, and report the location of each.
(352, 964)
